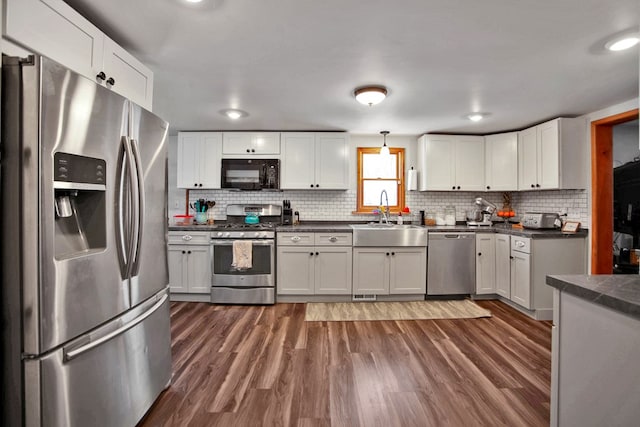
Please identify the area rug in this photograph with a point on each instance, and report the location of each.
(409, 310)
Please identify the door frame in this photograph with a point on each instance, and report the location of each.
(602, 190)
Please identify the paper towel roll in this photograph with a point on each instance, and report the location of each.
(412, 179)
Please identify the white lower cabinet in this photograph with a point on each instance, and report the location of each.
(485, 263)
(521, 279)
(389, 271)
(189, 258)
(503, 265)
(314, 263)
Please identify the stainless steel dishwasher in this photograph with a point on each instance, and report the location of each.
(451, 264)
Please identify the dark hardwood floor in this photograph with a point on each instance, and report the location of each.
(266, 366)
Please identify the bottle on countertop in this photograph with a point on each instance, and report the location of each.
(296, 218)
(400, 220)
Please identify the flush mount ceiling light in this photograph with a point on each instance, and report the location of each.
(193, 1)
(384, 150)
(370, 95)
(476, 117)
(234, 114)
(623, 42)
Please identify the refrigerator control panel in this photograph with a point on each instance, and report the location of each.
(74, 168)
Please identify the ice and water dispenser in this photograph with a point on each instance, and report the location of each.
(80, 205)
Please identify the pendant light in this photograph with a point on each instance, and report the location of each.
(384, 150)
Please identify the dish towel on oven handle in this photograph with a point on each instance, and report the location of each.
(242, 254)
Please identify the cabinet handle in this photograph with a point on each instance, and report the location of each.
(458, 187)
(295, 239)
(479, 253)
(311, 186)
(189, 252)
(317, 254)
(533, 186)
(248, 151)
(195, 185)
(488, 187)
(538, 185)
(393, 253)
(199, 185)
(111, 81)
(253, 150)
(184, 252)
(510, 257)
(453, 188)
(387, 253)
(317, 185)
(187, 237)
(333, 239)
(311, 253)
(101, 76)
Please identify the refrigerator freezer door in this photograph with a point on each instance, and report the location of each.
(148, 135)
(109, 377)
(70, 282)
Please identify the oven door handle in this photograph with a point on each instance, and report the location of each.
(229, 242)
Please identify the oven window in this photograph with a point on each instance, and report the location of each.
(223, 257)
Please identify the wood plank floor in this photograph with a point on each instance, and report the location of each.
(265, 366)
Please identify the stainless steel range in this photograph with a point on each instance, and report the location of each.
(243, 255)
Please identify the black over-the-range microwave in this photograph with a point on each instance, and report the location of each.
(251, 174)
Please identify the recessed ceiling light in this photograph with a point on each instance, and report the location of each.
(475, 117)
(370, 95)
(623, 42)
(193, 1)
(234, 114)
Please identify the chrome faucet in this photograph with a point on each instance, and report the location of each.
(384, 214)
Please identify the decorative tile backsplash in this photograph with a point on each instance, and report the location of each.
(339, 205)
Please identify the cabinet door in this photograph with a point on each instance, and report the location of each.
(521, 279)
(332, 161)
(199, 269)
(295, 270)
(527, 159)
(177, 259)
(132, 79)
(371, 271)
(188, 167)
(501, 162)
(297, 170)
(485, 264)
(265, 143)
(54, 29)
(333, 270)
(210, 160)
(439, 162)
(469, 163)
(408, 271)
(503, 265)
(548, 155)
(236, 143)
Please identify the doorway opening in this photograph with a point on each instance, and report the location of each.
(602, 190)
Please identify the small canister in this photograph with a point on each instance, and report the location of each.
(429, 218)
(450, 215)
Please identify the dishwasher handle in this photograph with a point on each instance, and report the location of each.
(450, 236)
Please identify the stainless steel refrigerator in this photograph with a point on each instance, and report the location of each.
(84, 294)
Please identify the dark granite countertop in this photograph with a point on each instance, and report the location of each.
(620, 292)
(343, 226)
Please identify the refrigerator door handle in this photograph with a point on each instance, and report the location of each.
(72, 354)
(132, 194)
(122, 225)
(140, 209)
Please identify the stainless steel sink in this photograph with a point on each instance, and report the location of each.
(385, 235)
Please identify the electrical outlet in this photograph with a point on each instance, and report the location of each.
(176, 204)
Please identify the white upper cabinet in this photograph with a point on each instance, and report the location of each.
(315, 161)
(451, 162)
(552, 155)
(501, 162)
(251, 143)
(199, 159)
(54, 29)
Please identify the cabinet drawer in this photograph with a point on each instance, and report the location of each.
(189, 238)
(295, 239)
(521, 244)
(334, 239)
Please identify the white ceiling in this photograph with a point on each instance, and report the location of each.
(293, 64)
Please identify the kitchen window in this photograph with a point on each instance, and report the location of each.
(377, 173)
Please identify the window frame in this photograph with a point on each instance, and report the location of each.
(399, 152)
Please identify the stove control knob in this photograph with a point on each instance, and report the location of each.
(219, 234)
(227, 234)
(257, 234)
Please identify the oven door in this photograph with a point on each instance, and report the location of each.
(261, 272)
